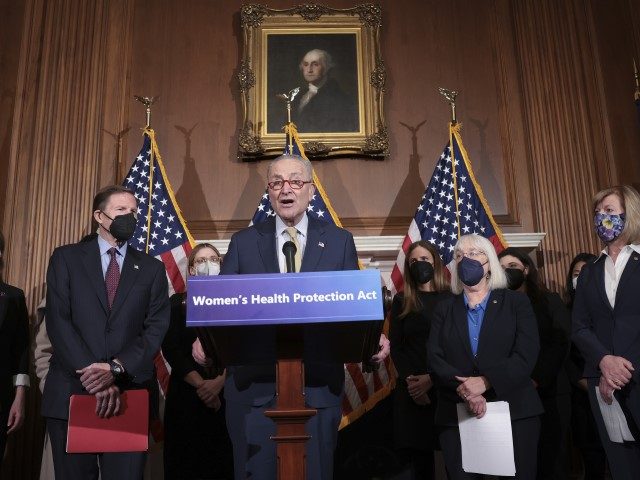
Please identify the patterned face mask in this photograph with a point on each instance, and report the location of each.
(608, 226)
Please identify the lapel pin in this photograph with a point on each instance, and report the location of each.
(136, 267)
(635, 258)
(495, 301)
(320, 244)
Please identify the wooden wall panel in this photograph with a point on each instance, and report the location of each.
(191, 58)
(11, 19)
(57, 139)
(544, 102)
(569, 152)
(616, 37)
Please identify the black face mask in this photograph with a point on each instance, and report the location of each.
(515, 278)
(122, 226)
(421, 272)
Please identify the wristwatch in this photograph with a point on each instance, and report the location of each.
(116, 369)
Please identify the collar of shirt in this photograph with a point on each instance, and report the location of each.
(104, 256)
(482, 305)
(302, 226)
(281, 237)
(632, 246)
(613, 271)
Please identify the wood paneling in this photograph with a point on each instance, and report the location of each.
(545, 102)
(569, 150)
(63, 94)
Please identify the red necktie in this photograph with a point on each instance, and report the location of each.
(112, 277)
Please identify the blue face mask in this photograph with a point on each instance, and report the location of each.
(470, 271)
(608, 226)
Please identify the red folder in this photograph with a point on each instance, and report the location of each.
(126, 432)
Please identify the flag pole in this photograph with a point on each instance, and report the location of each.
(288, 98)
(636, 95)
(450, 96)
(147, 102)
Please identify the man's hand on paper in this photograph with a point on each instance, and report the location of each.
(471, 386)
(606, 391)
(108, 402)
(197, 352)
(617, 371)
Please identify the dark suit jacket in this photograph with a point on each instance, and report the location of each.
(507, 352)
(14, 341)
(329, 110)
(84, 331)
(554, 324)
(600, 330)
(253, 250)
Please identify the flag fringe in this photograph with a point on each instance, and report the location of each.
(291, 131)
(156, 153)
(455, 130)
(369, 404)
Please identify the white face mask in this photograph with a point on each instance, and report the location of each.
(207, 268)
(575, 282)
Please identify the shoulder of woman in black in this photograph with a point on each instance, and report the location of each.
(10, 291)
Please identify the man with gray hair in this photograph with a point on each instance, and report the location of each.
(250, 389)
(323, 106)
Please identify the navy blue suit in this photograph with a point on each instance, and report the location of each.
(249, 390)
(83, 331)
(600, 330)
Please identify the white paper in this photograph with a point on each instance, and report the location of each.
(614, 420)
(487, 442)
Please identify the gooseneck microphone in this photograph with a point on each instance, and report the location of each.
(289, 249)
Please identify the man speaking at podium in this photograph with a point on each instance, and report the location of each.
(250, 390)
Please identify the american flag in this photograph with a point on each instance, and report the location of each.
(452, 205)
(362, 390)
(161, 230)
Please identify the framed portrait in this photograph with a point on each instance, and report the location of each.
(321, 68)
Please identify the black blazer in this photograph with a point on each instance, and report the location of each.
(14, 341)
(600, 330)
(507, 352)
(554, 325)
(83, 330)
(254, 250)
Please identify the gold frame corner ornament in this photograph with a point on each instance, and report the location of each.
(364, 21)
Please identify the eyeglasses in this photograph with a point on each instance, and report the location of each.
(419, 259)
(202, 260)
(471, 254)
(295, 184)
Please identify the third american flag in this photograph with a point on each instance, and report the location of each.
(452, 205)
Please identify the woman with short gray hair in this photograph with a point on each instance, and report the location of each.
(482, 348)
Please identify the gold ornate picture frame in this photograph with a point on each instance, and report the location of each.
(344, 117)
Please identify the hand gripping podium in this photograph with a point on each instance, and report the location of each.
(268, 318)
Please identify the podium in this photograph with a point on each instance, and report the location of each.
(342, 312)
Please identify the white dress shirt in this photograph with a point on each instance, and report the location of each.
(282, 236)
(613, 271)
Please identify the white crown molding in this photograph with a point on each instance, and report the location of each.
(379, 249)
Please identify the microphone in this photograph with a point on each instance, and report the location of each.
(289, 249)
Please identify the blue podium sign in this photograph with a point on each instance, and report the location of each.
(276, 298)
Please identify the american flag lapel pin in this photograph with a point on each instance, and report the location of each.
(321, 245)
